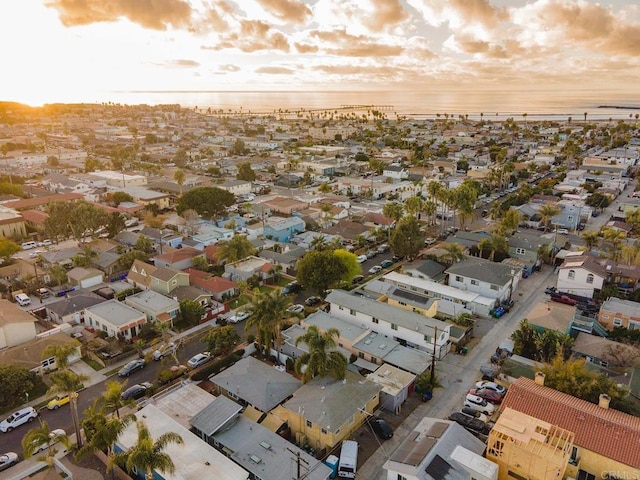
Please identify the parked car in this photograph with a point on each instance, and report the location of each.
(8, 459)
(381, 427)
(396, 258)
(199, 359)
(58, 402)
(54, 437)
(371, 253)
(164, 351)
(357, 279)
(563, 231)
(567, 300)
(18, 418)
(383, 248)
(470, 412)
(361, 258)
(496, 387)
(489, 395)
(239, 316)
(550, 290)
(429, 241)
(375, 269)
(311, 301)
(474, 425)
(131, 367)
(386, 263)
(291, 287)
(480, 404)
(136, 391)
(297, 308)
(497, 312)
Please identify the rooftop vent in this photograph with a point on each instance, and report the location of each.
(255, 459)
(265, 445)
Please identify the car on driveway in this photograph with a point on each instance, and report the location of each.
(239, 316)
(479, 404)
(470, 412)
(136, 391)
(18, 418)
(58, 402)
(567, 300)
(131, 367)
(357, 279)
(311, 301)
(386, 263)
(474, 425)
(383, 248)
(291, 287)
(496, 387)
(382, 428)
(488, 395)
(361, 258)
(297, 308)
(8, 459)
(199, 359)
(371, 253)
(550, 291)
(375, 269)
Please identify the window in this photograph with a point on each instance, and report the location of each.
(475, 282)
(584, 475)
(459, 278)
(571, 275)
(352, 312)
(574, 456)
(617, 322)
(401, 477)
(361, 354)
(590, 278)
(309, 424)
(496, 449)
(394, 326)
(375, 320)
(494, 287)
(427, 339)
(520, 251)
(324, 431)
(340, 307)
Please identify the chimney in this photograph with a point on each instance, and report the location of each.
(604, 400)
(540, 378)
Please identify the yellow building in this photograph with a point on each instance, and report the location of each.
(326, 411)
(606, 442)
(524, 446)
(11, 223)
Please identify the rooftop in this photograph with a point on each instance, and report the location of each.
(116, 312)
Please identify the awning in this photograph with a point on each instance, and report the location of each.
(362, 363)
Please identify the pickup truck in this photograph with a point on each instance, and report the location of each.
(564, 299)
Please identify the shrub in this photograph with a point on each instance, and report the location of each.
(165, 376)
(216, 366)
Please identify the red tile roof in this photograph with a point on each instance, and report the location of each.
(37, 217)
(209, 282)
(179, 254)
(610, 433)
(40, 201)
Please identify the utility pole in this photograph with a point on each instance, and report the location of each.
(299, 461)
(433, 356)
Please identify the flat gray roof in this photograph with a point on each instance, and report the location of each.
(215, 415)
(148, 299)
(324, 321)
(116, 312)
(625, 307)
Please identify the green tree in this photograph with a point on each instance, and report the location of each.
(590, 239)
(238, 148)
(43, 435)
(112, 399)
(126, 259)
(221, 340)
(322, 358)
(237, 248)
(66, 382)
(8, 248)
(60, 353)
(511, 220)
(393, 210)
(547, 212)
(245, 172)
(269, 310)
(321, 270)
(209, 202)
(413, 205)
(144, 244)
(499, 244)
(120, 197)
(92, 164)
(179, 177)
(191, 311)
(454, 253)
(200, 263)
(115, 224)
(319, 242)
(524, 340)
(598, 200)
(350, 261)
(406, 239)
(16, 381)
(72, 220)
(148, 455)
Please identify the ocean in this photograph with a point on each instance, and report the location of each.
(493, 104)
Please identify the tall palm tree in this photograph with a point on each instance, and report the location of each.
(104, 438)
(112, 396)
(413, 205)
(235, 249)
(39, 436)
(511, 220)
(269, 309)
(393, 210)
(319, 242)
(149, 456)
(613, 238)
(60, 353)
(454, 253)
(591, 239)
(179, 177)
(322, 359)
(498, 244)
(484, 245)
(547, 212)
(66, 382)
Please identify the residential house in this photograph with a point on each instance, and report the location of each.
(192, 459)
(616, 312)
(285, 205)
(140, 274)
(378, 220)
(157, 307)
(85, 277)
(16, 325)
(162, 237)
(284, 229)
(604, 353)
(438, 449)
(552, 316)
(115, 318)
(71, 308)
(326, 411)
(425, 269)
(516, 435)
(30, 355)
(210, 235)
(349, 231)
(178, 259)
(288, 259)
(528, 248)
(62, 257)
(108, 262)
(598, 430)
(489, 279)
(244, 269)
(396, 172)
(220, 288)
(408, 328)
(254, 383)
(396, 384)
(146, 197)
(40, 203)
(237, 187)
(21, 269)
(12, 223)
(165, 279)
(581, 274)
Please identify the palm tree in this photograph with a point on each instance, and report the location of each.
(235, 249)
(454, 253)
(322, 359)
(591, 239)
(39, 436)
(60, 353)
(511, 220)
(104, 438)
(268, 311)
(498, 244)
(112, 396)
(393, 210)
(179, 177)
(319, 242)
(547, 212)
(614, 239)
(484, 245)
(413, 205)
(149, 456)
(66, 382)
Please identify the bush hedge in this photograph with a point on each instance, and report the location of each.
(217, 366)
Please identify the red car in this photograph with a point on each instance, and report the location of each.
(488, 395)
(564, 299)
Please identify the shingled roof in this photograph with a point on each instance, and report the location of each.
(610, 433)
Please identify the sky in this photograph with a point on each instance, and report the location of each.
(68, 50)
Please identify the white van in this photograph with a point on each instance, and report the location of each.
(22, 299)
(348, 459)
(29, 245)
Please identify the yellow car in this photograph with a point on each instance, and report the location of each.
(57, 402)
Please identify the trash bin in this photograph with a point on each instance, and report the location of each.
(464, 350)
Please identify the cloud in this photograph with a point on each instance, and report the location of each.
(275, 70)
(460, 13)
(385, 13)
(291, 11)
(229, 68)
(305, 48)
(154, 14)
(348, 45)
(182, 63)
(253, 36)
